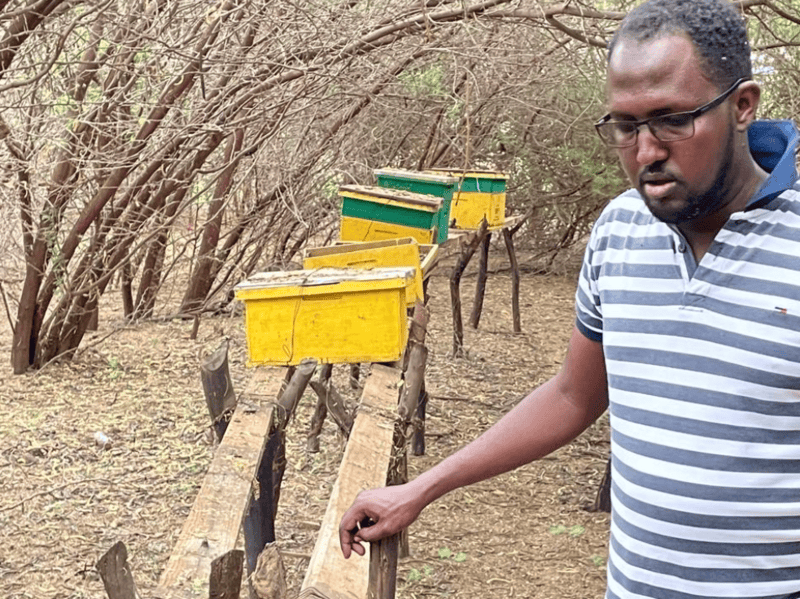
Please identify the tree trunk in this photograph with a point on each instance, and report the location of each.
(200, 281)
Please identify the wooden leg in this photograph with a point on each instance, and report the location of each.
(225, 580)
(512, 256)
(218, 389)
(418, 440)
(480, 284)
(259, 523)
(336, 404)
(455, 282)
(320, 412)
(355, 372)
(383, 568)
(602, 502)
(116, 573)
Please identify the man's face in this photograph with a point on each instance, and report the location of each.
(680, 181)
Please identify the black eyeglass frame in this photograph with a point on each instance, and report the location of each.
(690, 113)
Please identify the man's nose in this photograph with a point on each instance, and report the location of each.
(649, 148)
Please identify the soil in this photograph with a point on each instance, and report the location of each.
(68, 496)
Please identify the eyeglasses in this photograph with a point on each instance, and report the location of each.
(666, 127)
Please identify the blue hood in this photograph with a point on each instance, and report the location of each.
(773, 145)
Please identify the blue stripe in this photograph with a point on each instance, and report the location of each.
(639, 271)
(708, 575)
(760, 256)
(757, 315)
(703, 521)
(719, 399)
(710, 493)
(689, 426)
(647, 590)
(706, 461)
(587, 332)
(626, 242)
(674, 328)
(694, 363)
(790, 290)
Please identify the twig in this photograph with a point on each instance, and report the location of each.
(53, 490)
(8, 311)
(81, 350)
(464, 399)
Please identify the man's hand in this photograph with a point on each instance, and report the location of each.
(377, 514)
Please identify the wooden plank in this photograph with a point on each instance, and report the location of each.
(213, 526)
(264, 385)
(381, 389)
(364, 465)
(509, 222)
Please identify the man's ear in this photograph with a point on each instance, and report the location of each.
(746, 104)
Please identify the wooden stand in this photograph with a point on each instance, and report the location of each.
(225, 580)
(466, 242)
(335, 405)
(383, 568)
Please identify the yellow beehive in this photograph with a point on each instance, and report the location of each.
(330, 315)
(481, 194)
(360, 229)
(375, 254)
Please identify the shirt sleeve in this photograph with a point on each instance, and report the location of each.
(589, 310)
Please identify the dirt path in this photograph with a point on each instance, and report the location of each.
(66, 500)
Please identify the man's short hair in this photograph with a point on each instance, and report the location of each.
(715, 27)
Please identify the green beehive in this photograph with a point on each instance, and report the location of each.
(440, 185)
(372, 213)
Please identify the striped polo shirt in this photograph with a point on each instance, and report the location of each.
(703, 363)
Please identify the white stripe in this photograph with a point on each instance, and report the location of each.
(705, 507)
(640, 285)
(702, 476)
(690, 560)
(692, 533)
(713, 320)
(700, 381)
(707, 445)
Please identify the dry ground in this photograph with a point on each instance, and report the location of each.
(65, 500)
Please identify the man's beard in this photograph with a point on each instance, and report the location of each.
(698, 205)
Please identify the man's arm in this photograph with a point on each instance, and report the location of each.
(551, 416)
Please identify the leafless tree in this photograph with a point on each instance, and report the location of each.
(167, 144)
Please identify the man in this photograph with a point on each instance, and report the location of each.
(688, 329)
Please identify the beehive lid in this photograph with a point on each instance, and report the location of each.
(398, 173)
(476, 173)
(358, 246)
(426, 202)
(323, 280)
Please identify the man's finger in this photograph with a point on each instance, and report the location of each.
(373, 532)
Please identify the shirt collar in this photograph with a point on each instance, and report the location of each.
(773, 145)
